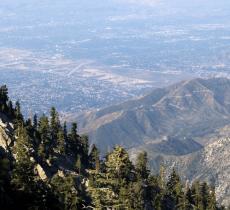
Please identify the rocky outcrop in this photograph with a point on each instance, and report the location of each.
(215, 163)
(41, 172)
(6, 140)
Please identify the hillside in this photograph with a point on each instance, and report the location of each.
(210, 164)
(177, 126)
(187, 110)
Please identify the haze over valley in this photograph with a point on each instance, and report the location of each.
(88, 55)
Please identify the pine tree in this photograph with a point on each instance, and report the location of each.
(65, 131)
(155, 191)
(118, 165)
(3, 98)
(10, 109)
(137, 195)
(212, 204)
(18, 115)
(141, 166)
(189, 204)
(45, 146)
(94, 158)
(142, 199)
(84, 151)
(197, 199)
(61, 142)
(74, 141)
(54, 125)
(35, 121)
(73, 133)
(173, 191)
(204, 193)
(4, 179)
(65, 190)
(23, 174)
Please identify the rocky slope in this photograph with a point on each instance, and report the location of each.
(6, 128)
(45, 170)
(210, 164)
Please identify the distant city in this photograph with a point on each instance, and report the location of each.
(78, 61)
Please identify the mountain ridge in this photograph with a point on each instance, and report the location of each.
(189, 108)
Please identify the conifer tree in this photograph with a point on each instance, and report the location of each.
(18, 115)
(73, 141)
(23, 174)
(94, 158)
(212, 204)
(4, 179)
(35, 121)
(10, 109)
(197, 199)
(65, 131)
(141, 186)
(155, 191)
(73, 133)
(65, 190)
(118, 165)
(44, 149)
(61, 142)
(54, 125)
(173, 191)
(189, 204)
(141, 166)
(204, 193)
(3, 98)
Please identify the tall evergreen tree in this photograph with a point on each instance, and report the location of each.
(94, 158)
(54, 125)
(35, 121)
(118, 164)
(65, 190)
(212, 204)
(61, 142)
(18, 115)
(3, 98)
(45, 146)
(173, 191)
(5, 200)
(74, 140)
(141, 165)
(65, 131)
(23, 174)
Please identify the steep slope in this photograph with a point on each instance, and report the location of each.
(6, 128)
(187, 110)
(210, 164)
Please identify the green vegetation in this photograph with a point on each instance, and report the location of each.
(52, 167)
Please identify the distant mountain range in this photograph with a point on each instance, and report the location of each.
(185, 126)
